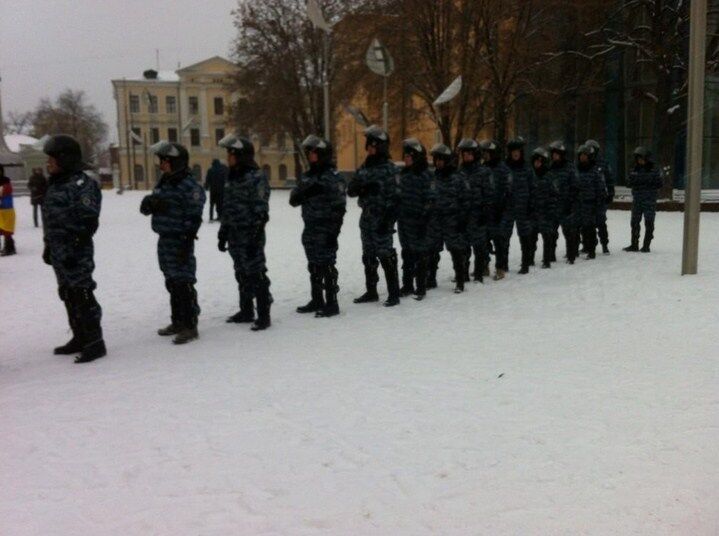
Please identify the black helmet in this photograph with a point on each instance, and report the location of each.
(440, 150)
(237, 145)
(467, 145)
(594, 144)
(413, 147)
(540, 152)
(490, 146)
(642, 152)
(557, 146)
(174, 152)
(66, 150)
(586, 149)
(322, 147)
(516, 143)
(377, 137)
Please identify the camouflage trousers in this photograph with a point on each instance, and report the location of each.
(177, 258)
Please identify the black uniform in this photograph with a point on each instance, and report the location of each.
(70, 219)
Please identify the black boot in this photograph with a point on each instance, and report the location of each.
(409, 261)
(264, 301)
(246, 314)
(634, 246)
(9, 248)
(546, 251)
(532, 240)
(88, 316)
(74, 345)
(389, 265)
(371, 279)
(524, 242)
(174, 327)
(480, 264)
(421, 277)
(188, 311)
(648, 236)
(432, 271)
(317, 302)
(459, 263)
(603, 237)
(329, 283)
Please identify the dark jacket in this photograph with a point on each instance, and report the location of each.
(37, 184)
(215, 178)
(178, 201)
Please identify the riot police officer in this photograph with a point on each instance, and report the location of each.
(564, 178)
(522, 201)
(645, 181)
(602, 167)
(545, 205)
(501, 221)
(245, 212)
(592, 197)
(70, 216)
(321, 192)
(376, 185)
(479, 184)
(417, 195)
(176, 206)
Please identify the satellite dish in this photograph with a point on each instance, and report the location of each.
(314, 13)
(378, 59)
(358, 115)
(451, 92)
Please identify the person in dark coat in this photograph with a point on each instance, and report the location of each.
(645, 181)
(546, 195)
(416, 203)
(592, 197)
(215, 184)
(564, 178)
(70, 219)
(501, 221)
(176, 205)
(245, 213)
(522, 201)
(376, 185)
(602, 167)
(321, 192)
(37, 184)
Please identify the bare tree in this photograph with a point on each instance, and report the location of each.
(71, 114)
(18, 123)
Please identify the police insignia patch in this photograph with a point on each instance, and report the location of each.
(86, 201)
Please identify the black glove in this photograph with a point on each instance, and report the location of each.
(222, 240)
(147, 205)
(46, 256)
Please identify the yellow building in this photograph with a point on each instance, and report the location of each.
(189, 106)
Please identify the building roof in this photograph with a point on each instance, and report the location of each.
(199, 64)
(14, 141)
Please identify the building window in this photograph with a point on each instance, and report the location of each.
(152, 103)
(139, 173)
(283, 172)
(194, 105)
(137, 138)
(267, 170)
(172, 134)
(154, 135)
(219, 134)
(134, 104)
(219, 106)
(195, 137)
(170, 105)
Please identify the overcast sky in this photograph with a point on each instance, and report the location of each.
(49, 45)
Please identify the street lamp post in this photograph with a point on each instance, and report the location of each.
(695, 135)
(314, 13)
(380, 62)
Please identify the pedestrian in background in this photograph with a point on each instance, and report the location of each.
(37, 184)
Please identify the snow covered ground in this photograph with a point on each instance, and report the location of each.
(579, 400)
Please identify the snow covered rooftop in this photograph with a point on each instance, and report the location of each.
(14, 141)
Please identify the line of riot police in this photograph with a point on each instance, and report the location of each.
(469, 204)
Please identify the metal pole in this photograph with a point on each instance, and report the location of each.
(355, 144)
(695, 135)
(385, 107)
(328, 135)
